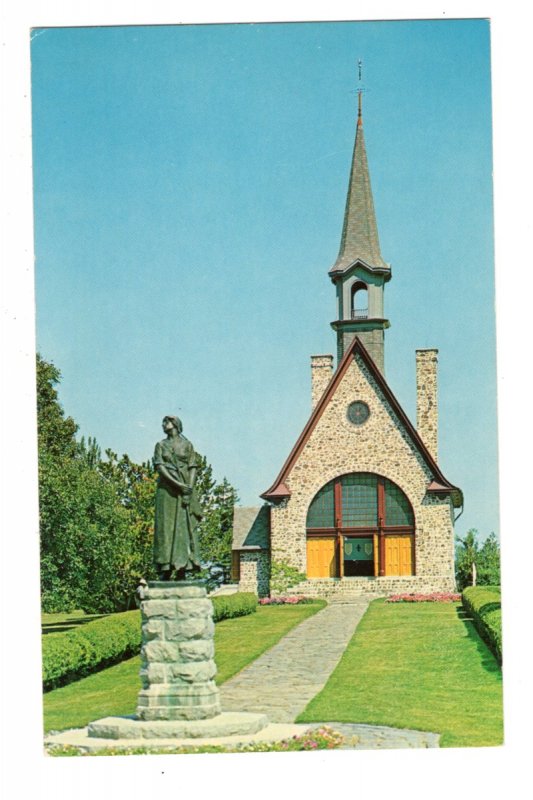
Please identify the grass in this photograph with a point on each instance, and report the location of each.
(420, 666)
(113, 691)
(61, 623)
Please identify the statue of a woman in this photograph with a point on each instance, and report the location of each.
(177, 510)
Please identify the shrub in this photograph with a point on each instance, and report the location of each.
(283, 576)
(484, 604)
(227, 606)
(78, 652)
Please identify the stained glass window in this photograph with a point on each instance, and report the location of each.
(321, 511)
(397, 507)
(359, 500)
(359, 503)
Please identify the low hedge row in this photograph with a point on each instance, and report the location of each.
(227, 606)
(94, 645)
(484, 604)
(88, 647)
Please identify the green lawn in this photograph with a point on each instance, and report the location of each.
(420, 666)
(113, 691)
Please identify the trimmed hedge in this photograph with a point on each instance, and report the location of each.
(227, 606)
(94, 645)
(484, 604)
(88, 647)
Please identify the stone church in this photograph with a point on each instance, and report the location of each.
(360, 506)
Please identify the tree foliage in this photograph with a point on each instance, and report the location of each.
(485, 556)
(97, 515)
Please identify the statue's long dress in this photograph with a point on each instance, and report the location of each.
(175, 536)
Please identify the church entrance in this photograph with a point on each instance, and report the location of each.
(360, 525)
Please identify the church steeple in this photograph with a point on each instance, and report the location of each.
(360, 272)
(359, 239)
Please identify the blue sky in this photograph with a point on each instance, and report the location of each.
(189, 192)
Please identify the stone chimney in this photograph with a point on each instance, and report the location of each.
(426, 398)
(321, 372)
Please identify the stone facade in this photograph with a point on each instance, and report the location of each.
(382, 446)
(427, 419)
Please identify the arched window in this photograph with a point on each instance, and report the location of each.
(359, 300)
(360, 524)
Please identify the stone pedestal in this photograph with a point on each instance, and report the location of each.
(179, 700)
(177, 655)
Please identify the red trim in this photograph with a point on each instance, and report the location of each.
(338, 504)
(439, 484)
(381, 561)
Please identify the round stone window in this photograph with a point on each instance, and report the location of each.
(358, 412)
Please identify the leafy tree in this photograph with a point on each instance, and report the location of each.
(489, 562)
(85, 530)
(486, 557)
(216, 528)
(97, 515)
(56, 432)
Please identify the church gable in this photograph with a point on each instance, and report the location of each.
(336, 441)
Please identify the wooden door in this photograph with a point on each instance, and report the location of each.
(398, 555)
(322, 557)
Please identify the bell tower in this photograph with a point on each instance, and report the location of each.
(360, 273)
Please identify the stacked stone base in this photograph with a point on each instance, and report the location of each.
(221, 726)
(177, 655)
(179, 698)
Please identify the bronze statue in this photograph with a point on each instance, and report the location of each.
(177, 510)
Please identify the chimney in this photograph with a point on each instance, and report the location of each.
(426, 398)
(321, 372)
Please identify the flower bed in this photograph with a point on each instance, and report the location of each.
(323, 738)
(293, 600)
(435, 597)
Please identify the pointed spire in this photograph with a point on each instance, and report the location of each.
(359, 239)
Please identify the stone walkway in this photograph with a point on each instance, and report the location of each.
(282, 681)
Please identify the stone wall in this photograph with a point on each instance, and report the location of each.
(321, 373)
(427, 418)
(255, 572)
(381, 446)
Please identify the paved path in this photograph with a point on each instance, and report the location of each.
(282, 681)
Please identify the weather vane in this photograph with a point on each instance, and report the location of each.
(360, 91)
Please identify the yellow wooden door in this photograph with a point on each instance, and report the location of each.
(398, 555)
(321, 557)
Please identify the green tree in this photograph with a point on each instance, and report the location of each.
(466, 554)
(56, 433)
(97, 515)
(489, 562)
(216, 528)
(85, 530)
(485, 556)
